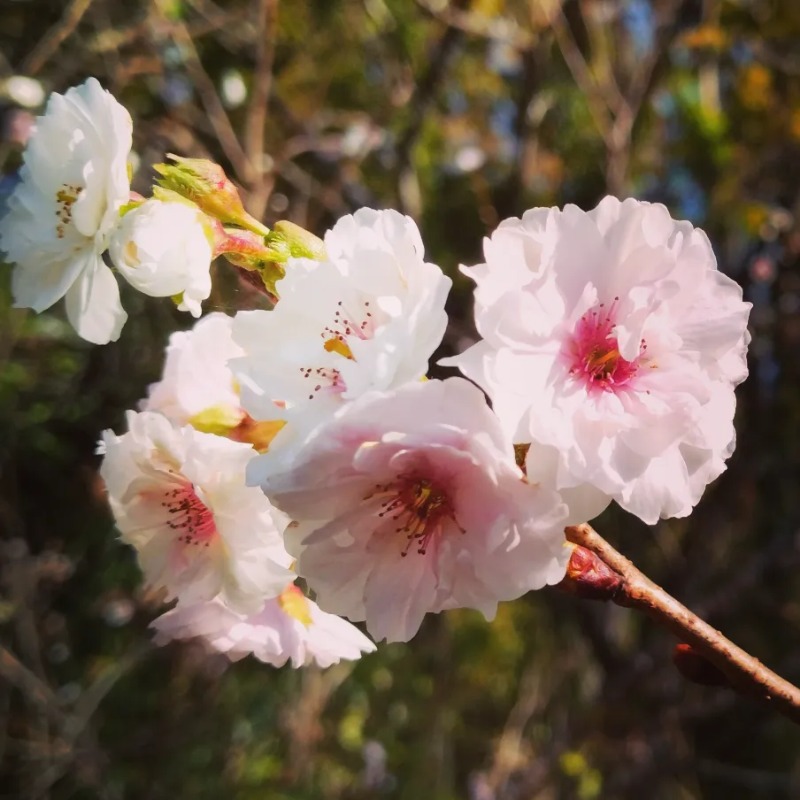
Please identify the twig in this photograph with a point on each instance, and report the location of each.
(582, 75)
(209, 97)
(745, 673)
(51, 41)
(509, 748)
(77, 722)
(485, 26)
(110, 39)
(424, 95)
(31, 687)
(255, 123)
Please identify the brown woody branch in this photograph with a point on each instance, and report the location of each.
(48, 45)
(613, 577)
(209, 97)
(256, 120)
(423, 97)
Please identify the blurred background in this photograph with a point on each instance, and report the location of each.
(460, 113)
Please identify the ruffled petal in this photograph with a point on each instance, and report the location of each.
(93, 305)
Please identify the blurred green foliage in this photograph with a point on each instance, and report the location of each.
(460, 113)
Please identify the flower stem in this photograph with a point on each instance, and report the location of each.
(743, 672)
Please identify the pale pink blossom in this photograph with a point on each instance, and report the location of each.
(196, 377)
(197, 386)
(411, 501)
(179, 498)
(369, 317)
(289, 627)
(613, 344)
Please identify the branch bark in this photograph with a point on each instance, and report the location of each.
(421, 100)
(625, 585)
(48, 45)
(255, 123)
(209, 97)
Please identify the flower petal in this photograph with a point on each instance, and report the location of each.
(93, 304)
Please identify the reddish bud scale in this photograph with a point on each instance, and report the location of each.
(590, 577)
(695, 667)
(253, 278)
(520, 454)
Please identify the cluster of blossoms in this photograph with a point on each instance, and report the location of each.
(306, 441)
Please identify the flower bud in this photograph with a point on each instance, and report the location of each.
(288, 240)
(266, 255)
(206, 184)
(694, 666)
(163, 249)
(588, 576)
(249, 251)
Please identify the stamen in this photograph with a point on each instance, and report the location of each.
(420, 508)
(593, 352)
(345, 325)
(189, 516)
(65, 198)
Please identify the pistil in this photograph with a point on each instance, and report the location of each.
(419, 506)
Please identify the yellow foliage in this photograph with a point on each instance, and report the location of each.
(755, 87)
(710, 37)
(589, 780)
(754, 217)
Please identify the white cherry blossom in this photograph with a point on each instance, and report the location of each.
(164, 249)
(179, 498)
(411, 501)
(289, 627)
(73, 182)
(613, 344)
(196, 377)
(369, 317)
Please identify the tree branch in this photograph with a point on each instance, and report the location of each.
(255, 123)
(625, 585)
(33, 688)
(582, 75)
(48, 45)
(423, 97)
(218, 117)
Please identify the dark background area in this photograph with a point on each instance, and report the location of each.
(459, 113)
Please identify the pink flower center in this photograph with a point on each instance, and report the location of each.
(418, 506)
(189, 517)
(344, 326)
(324, 380)
(593, 353)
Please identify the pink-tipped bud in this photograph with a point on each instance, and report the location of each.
(250, 252)
(588, 576)
(206, 184)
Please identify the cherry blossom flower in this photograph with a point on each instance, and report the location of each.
(197, 387)
(289, 627)
(411, 501)
(613, 344)
(73, 182)
(164, 249)
(196, 376)
(179, 498)
(367, 318)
